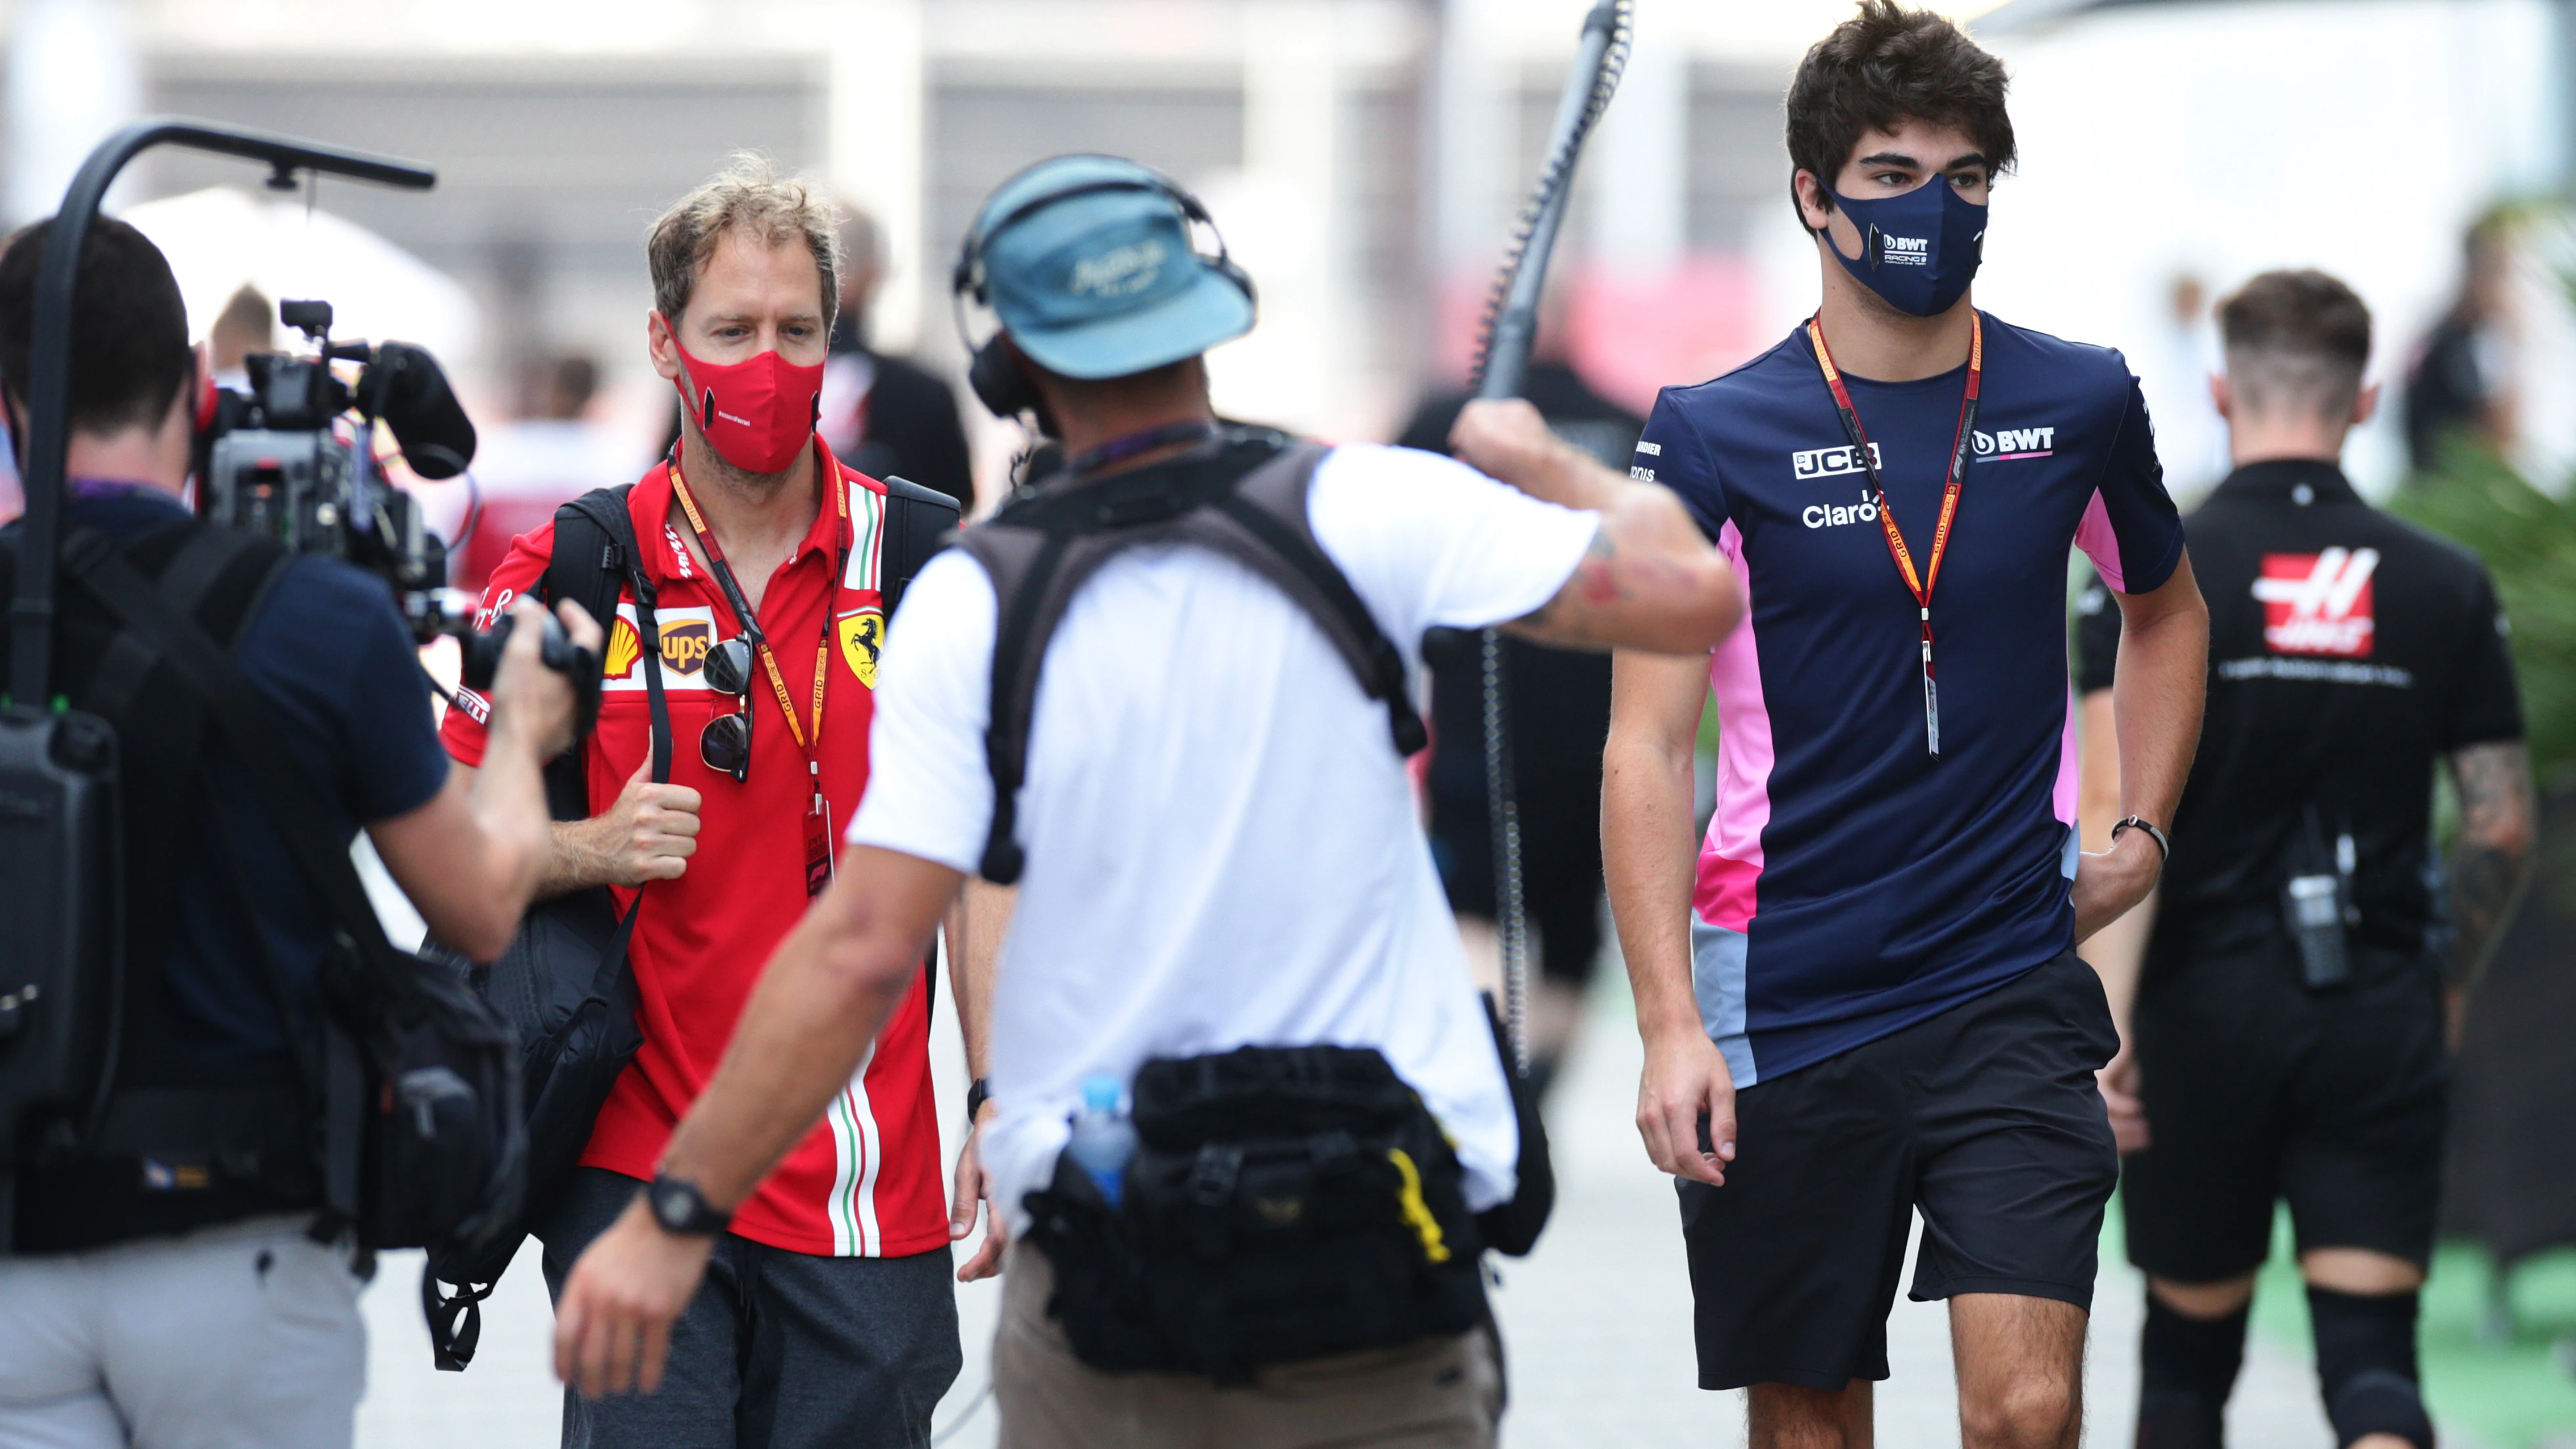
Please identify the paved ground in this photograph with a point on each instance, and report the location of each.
(1597, 1323)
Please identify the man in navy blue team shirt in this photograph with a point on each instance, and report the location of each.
(1866, 1001)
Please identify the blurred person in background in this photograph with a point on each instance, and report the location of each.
(1559, 709)
(247, 324)
(553, 452)
(2286, 1040)
(1859, 994)
(2173, 377)
(886, 415)
(174, 1278)
(2462, 385)
(826, 1316)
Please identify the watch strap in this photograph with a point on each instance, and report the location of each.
(680, 1207)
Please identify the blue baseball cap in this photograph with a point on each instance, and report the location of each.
(1087, 261)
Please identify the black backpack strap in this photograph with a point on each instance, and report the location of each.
(595, 559)
(918, 523)
(243, 721)
(1041, 549)
(1270, 504)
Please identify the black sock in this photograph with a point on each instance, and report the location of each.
(2187, 1368)
(2366, 1365)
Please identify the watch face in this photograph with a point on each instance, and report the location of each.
(671, 1205)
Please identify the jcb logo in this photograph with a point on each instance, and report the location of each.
(1829, 462)
(2319, 603)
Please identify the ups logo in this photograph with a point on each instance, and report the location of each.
(685, 645)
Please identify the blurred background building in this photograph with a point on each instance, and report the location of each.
(1364, 157)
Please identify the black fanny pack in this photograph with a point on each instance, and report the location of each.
(1284, 1203)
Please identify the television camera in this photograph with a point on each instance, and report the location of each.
(294, 458)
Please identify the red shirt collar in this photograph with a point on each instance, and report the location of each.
(658, 528)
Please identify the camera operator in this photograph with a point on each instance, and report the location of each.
(2289, 1017)
(168, 1288)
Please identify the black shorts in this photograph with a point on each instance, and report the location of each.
(1986, 1118)
(2257, 1089)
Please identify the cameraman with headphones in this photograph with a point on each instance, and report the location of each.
(1223, 873)
(165, 1284)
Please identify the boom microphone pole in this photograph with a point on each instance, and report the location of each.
(1502, 360)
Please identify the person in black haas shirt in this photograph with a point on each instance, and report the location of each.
(2288, 1039)
(1560, 716)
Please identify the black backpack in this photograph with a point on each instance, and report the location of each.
(564, 982)
(409, 1080)
(1241, 494)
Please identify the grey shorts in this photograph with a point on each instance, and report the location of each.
(1441, 1393)
(779, 1350)
(242, 1336)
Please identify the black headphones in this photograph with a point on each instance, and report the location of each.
(994, 371)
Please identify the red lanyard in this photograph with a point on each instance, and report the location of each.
(1920, 586)
(812, 747)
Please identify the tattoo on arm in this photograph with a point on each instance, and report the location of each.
(2489, 863)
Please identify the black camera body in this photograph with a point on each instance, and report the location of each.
(275, 460)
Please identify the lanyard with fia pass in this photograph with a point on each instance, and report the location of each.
(1920, 585)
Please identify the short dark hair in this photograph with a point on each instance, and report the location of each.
(2295, 340)
(130, 352)
(1881, 66)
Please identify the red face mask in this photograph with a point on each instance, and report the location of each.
(757, 413)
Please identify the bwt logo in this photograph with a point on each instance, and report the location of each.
(2006, 443)
(1829, 462)
(1905, 251)
(2318, 603)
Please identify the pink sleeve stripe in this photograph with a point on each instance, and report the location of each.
(1730, 859)
(2100, 544)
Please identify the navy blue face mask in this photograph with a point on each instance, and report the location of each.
(1919, 250)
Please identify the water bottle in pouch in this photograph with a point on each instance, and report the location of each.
(1103, 1137)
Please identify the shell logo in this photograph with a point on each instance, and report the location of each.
(624, 646)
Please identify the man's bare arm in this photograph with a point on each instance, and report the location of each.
(976, 925)
(648, 833)
(1647, 854)
(2491, 860)
(1650, 581)
(472, 857)
(2156, 697)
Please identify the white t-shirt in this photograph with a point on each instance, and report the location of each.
(1222, 845)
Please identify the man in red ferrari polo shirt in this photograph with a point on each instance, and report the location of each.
(828, 1317)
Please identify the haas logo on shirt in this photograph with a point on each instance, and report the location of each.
(2318, 603)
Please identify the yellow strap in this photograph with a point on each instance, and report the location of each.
(1417, 1213)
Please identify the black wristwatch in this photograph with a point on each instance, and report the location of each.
(680, 1208)
(977, 1094)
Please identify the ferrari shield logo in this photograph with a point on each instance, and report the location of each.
(862, 635)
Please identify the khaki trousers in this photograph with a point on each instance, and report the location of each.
(1441, 1393)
